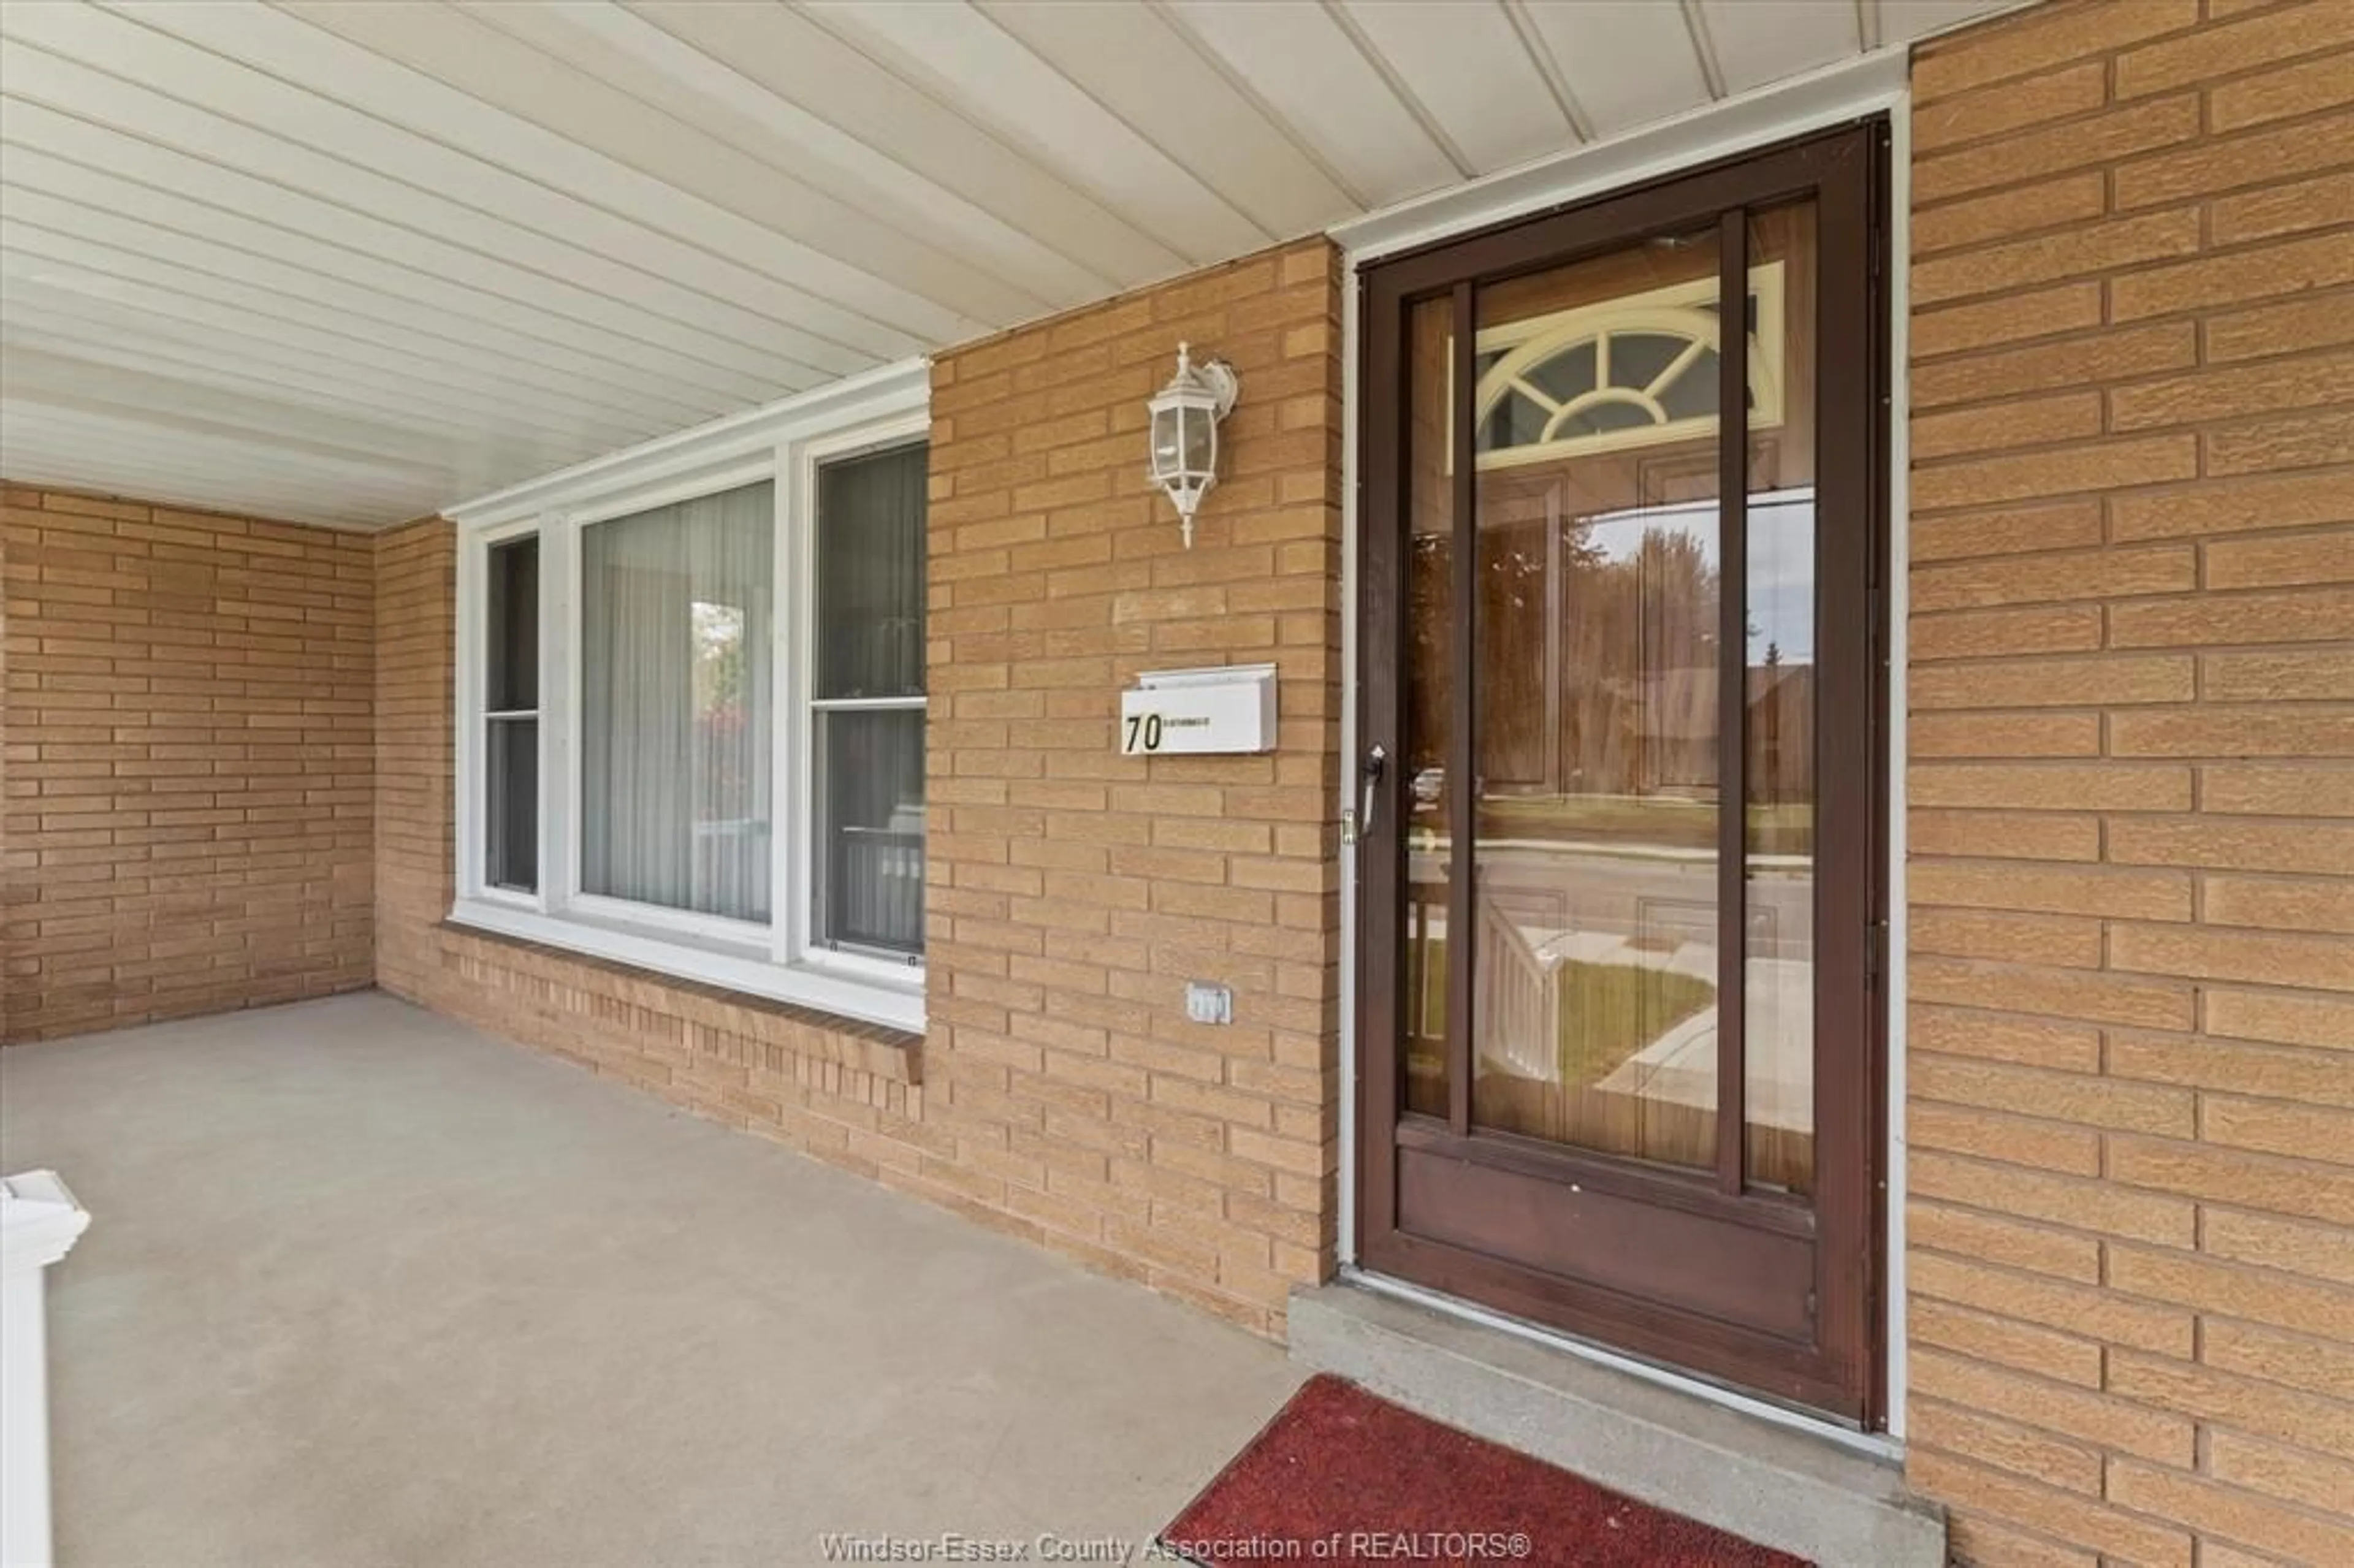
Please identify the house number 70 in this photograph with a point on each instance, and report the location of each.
(1143, 733)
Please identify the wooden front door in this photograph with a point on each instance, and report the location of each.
(1622, 681)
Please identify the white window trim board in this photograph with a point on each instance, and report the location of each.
(849, 401)
(782, 443)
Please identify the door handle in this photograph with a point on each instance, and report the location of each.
(1358, 823)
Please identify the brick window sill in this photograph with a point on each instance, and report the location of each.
(881, 1029)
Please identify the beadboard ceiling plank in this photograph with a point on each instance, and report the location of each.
(1301, 62)
(1629, 62)
(1758, 41)
(807, 68)
(577, 132)
(628, 52)
(1128, 57)
(42, 263)
(326, 122)
(362, 282)
(965, 59)
(1467, 66)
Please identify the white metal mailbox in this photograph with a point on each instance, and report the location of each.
(1229, 708)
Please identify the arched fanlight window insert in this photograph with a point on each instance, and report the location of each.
(1632, 372)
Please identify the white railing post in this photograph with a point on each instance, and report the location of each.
(39, 1222)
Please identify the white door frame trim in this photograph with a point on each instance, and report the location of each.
(1876, 83)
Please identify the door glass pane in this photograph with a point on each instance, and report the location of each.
(1778, 1040)
(1429, 705)
(1596, 917)
(676, 716)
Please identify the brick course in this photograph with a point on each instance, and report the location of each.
(188, 762)
(2132, 1026)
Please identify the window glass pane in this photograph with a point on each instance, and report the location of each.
(1566, 375)
(870, 575)
(511, 739)
(871, 829)
(677, 714)
(511, 805)
(512, 668)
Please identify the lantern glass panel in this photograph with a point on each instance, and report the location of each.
(1168, 442)
(1200, 440)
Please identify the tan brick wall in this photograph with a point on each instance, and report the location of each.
(1059, 1094)
(2131, 802)
(1074, 892)
(185, 727)
(417, 629)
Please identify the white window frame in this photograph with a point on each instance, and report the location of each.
(797, 869)
(783, 443)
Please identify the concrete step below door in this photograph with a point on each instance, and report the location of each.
(1781, 1486)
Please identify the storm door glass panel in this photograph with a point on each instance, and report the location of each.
(511, 718)
(1429, 705)
(1597, 665)
(677, 720)
(869, 703)
(1778, 1043)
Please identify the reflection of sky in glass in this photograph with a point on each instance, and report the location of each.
(716, 626)
(1781, 560)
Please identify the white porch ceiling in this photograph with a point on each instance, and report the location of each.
(350, 263)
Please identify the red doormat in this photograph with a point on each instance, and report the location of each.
(1341, 1477)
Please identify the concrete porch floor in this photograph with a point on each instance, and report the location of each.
(366, 1287)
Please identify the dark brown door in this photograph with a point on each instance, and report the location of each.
(1623, 668)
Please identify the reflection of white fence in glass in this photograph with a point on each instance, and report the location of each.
(39, 1222)
(879, 873)
(1519, 1004)
(723, 848)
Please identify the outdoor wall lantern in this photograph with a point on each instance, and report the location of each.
(1185, 416)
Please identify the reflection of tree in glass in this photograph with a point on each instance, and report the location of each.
(1639, 650)
(718, 656)
(718, 685)
(1636, 690)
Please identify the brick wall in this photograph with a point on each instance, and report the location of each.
(1059, 1093)
(185, 724)
(1074, 892)
(2131, 802)
(417, 629)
